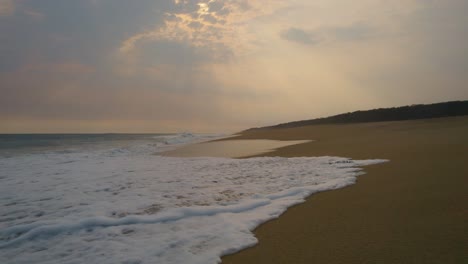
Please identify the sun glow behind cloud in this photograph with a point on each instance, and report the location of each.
(223, 27)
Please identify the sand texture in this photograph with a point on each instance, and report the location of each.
(413, 209)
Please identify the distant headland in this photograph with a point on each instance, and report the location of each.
(410, 112)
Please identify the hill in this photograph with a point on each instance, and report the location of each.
(411, 112)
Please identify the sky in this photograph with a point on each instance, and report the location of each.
(88, 66)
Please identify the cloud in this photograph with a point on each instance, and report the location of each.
(87, 32)
(7, 7)
(118, 65)
(34, 14)
(220, 26)
(427, 58)
(75, 97)
(72, 68)
(299, 35)
(191, 37)
(355, 32)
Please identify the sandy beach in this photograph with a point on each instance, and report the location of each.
(412, 209)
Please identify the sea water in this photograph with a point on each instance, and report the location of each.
(114, 199)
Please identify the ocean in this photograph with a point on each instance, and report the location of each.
(113, 198)
(12, 144)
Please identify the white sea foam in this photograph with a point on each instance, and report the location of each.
(122, 205)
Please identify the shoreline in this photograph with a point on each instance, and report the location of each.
(231, 148)
(409, 210)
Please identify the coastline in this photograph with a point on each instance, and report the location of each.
(409, 210)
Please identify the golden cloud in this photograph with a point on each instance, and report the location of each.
(223, 27)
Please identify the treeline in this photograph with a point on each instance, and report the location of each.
(412, 112)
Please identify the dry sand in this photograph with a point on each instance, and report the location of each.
(413, 209)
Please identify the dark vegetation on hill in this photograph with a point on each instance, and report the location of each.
(412, 112)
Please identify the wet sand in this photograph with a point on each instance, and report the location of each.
(413, 209)
(231, 148)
